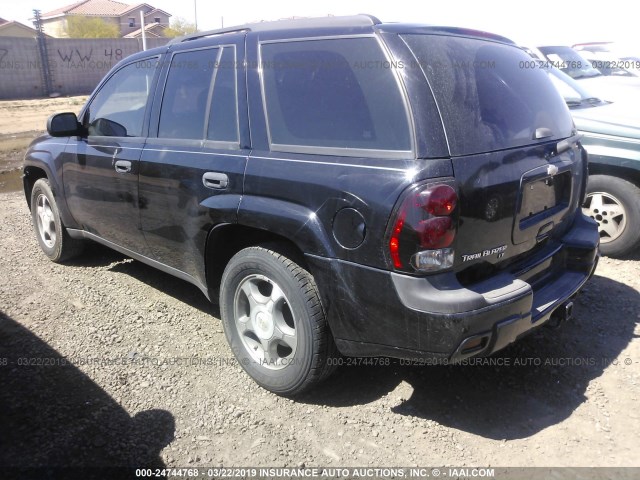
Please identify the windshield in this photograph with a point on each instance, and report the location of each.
(610, 66)
(618, 50)
(570, 62)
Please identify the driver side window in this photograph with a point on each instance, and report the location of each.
(118, 108)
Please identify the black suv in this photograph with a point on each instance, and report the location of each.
(343, 185)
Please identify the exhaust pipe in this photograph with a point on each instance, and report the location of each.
(561, 315)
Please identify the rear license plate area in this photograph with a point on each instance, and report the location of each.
(544, 195)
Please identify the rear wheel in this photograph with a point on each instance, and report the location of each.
(53, 238)
(615, 204)
(274, 322)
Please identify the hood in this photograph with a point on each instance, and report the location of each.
(617, 119)
(616, 89)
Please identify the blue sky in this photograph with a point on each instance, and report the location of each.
(531, 23)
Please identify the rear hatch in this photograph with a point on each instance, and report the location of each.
(515, 156)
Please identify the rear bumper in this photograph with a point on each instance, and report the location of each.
(379, 313)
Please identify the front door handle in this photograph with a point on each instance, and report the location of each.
(123, 166)
(215, 180)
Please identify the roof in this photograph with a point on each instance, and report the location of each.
(359, 22)
(5, 25)
(137, 6)
(157, 10)
(289, 24)
(101, 8)
(154, 29)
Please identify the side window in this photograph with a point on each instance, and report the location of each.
(223, 117)
(337, 93)
(184, 101)
(118, 108)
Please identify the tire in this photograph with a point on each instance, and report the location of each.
(274, 321)
(52, 236)
(615, 204)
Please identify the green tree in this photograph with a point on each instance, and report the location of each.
(87, 27)
(179, 26)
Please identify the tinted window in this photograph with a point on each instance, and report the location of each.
(184, 102)
(339, 93)
(223, 118)
(118, 108)
(487, 97)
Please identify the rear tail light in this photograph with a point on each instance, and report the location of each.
(424, 228)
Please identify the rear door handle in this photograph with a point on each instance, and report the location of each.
(215, 180)
(123, 166)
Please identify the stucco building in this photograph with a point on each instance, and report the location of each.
(125, 16)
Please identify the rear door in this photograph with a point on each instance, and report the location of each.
(100, 171)
(512, 143)
(192, 166)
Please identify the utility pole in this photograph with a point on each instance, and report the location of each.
(195, 13)
(144, 34)
(44, 54)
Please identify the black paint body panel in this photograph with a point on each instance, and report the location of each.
(337, 209)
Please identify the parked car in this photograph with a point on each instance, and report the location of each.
(609, 65)
(610, 88)
(611, 136)
(628, 55)
(340, 185)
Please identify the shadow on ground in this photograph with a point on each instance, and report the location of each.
(100, 256)
(531, 385)
(52, 415)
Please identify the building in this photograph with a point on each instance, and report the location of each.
(16, 29)
(151, 30)
(125, 16)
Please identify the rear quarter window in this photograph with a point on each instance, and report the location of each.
(488, 95)
(334, 96)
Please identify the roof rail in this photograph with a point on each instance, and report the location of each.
(210, 33)
(361, 20)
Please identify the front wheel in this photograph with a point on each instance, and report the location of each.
(274, 322)
(52, 236)
(614, 204)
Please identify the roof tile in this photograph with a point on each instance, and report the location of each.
(90, 7)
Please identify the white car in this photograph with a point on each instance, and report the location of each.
(612, 88)
(628, 55)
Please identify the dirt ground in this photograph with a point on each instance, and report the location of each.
(106, 361)
(20, 122)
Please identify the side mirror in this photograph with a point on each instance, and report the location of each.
(63, 125)
(107, 128)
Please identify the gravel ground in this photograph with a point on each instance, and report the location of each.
(129, 366)
(20, 122)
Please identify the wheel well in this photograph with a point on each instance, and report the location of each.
(227, 240)
(31, 176)
(628, 174)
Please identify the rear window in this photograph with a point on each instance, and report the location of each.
(337, 94)
(491, 96)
